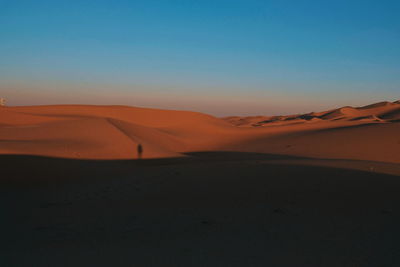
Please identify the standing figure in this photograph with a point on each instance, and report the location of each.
(139, 151)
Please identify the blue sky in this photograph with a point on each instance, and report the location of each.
(220, 57)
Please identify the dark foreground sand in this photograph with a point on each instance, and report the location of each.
(208, 209)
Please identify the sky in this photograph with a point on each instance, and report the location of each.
(222, 57)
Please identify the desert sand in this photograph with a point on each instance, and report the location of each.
(315, 189)
(113, 132)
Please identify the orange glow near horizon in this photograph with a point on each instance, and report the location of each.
(219, 102)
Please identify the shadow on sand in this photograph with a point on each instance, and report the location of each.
(39, 168)
(205, 209)
(17, 168)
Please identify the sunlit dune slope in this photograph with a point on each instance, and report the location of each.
(9, 117)
(106, 132)
(141, 116)
(373, 142)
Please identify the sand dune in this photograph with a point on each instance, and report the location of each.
(246, 121)
(113, 132)
(382, 111)
(365, 141)
(366, 133)
(316, 189)
(142, 116)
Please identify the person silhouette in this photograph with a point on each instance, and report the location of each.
(139, 151)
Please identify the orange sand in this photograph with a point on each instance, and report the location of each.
(113, 132)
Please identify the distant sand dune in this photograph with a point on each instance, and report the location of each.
(382, 111)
